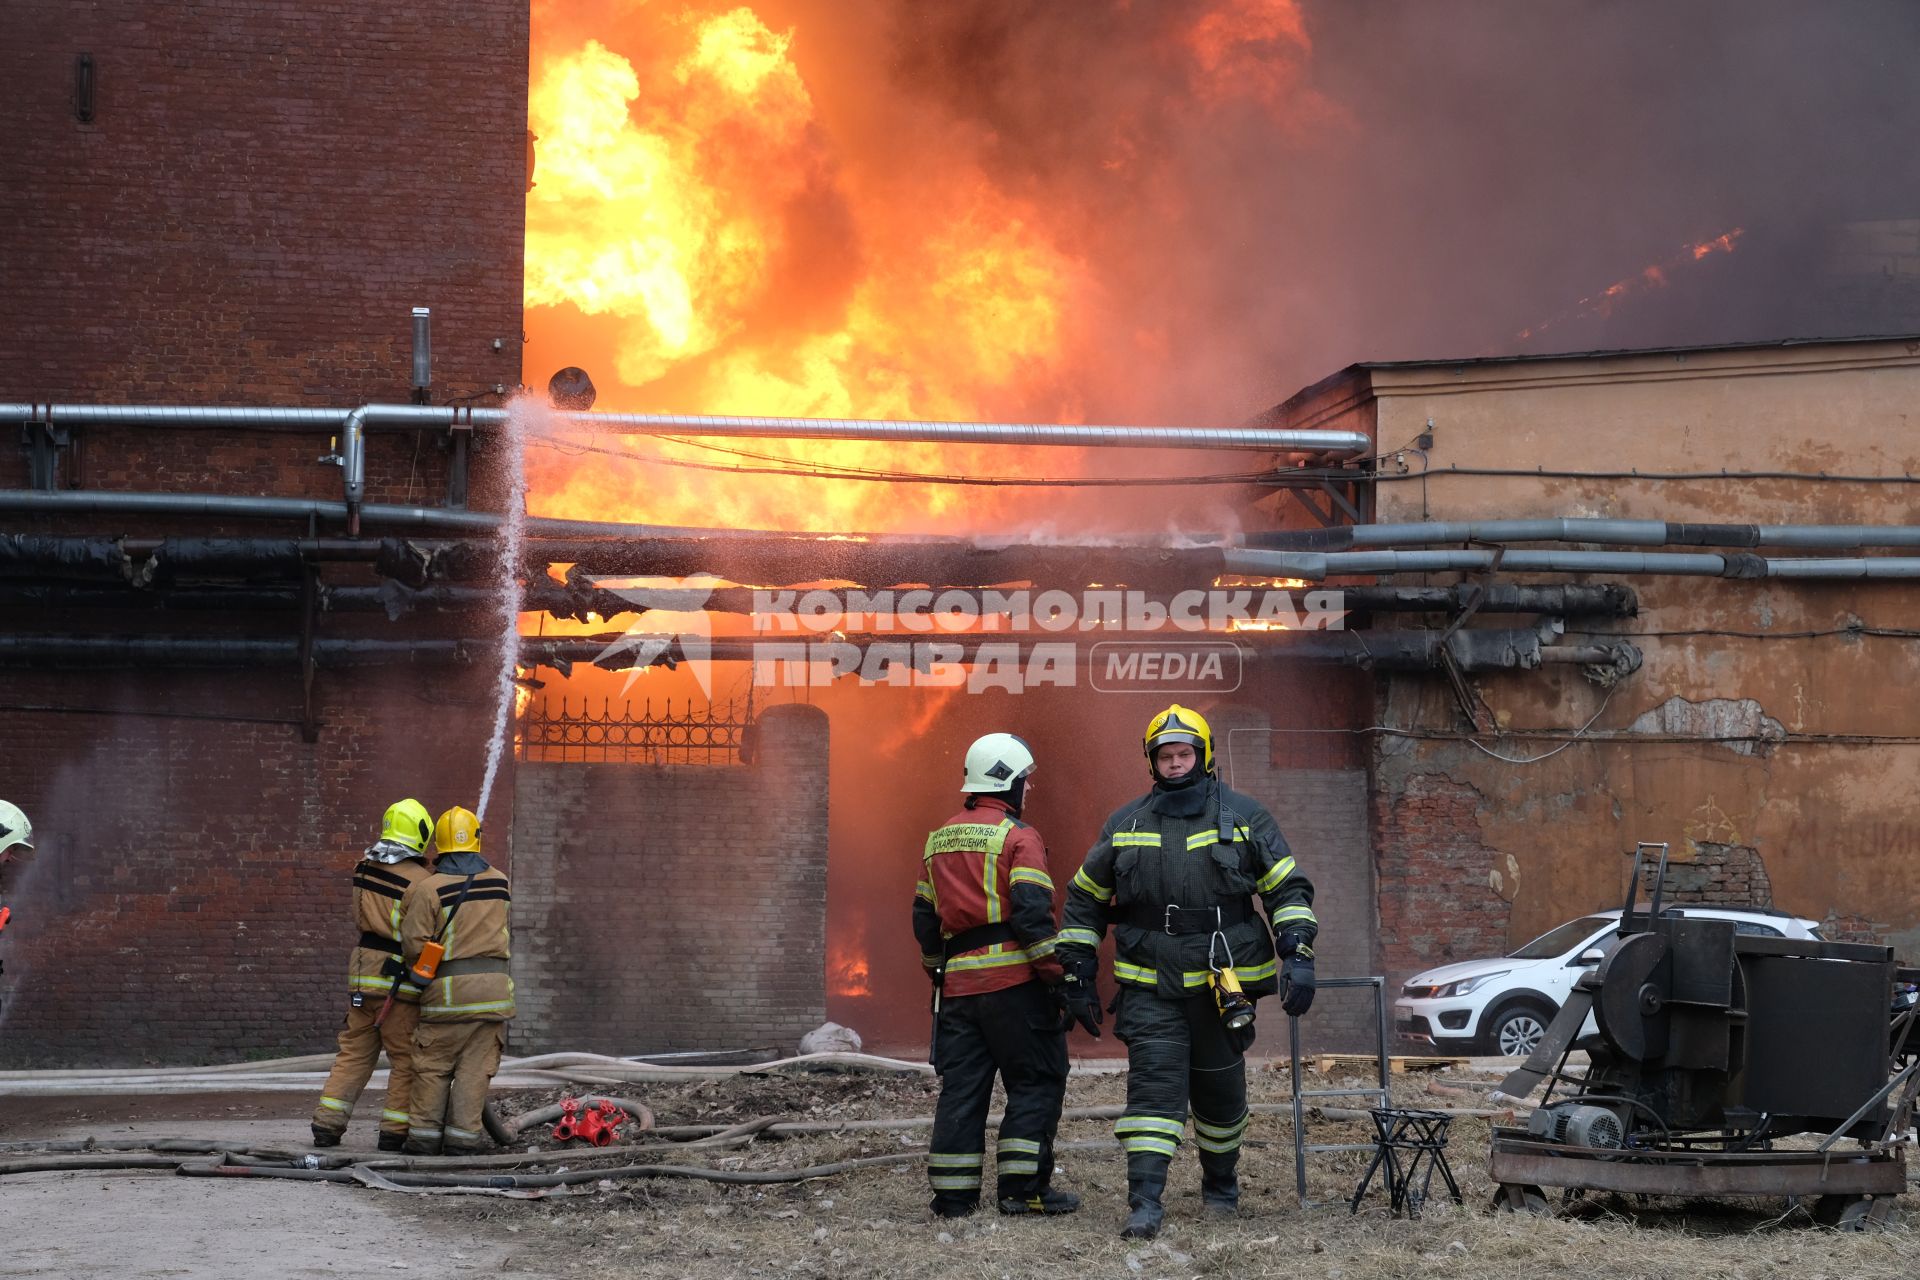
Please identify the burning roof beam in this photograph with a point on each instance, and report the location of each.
(767, 559)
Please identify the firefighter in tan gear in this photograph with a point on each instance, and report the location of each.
(381, 1010)
(454, 939)
(1175, 872)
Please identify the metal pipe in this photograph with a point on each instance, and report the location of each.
(225, 507)
(1471, 649)
(142, 562)
(1325, 444)
(1317, 566)
(578, 597)
(422, 352)
(1631, 533)
(1566, 600)
(577, 600)
(353, 466)
(228, 507)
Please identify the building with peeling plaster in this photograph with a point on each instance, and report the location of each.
(1769, 735)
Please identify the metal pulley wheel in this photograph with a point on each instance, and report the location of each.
(1517, 1197)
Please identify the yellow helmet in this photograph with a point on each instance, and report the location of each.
(458, 831)
(408, 823)
(1181, 724)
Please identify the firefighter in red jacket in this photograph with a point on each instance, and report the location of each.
(983, 915)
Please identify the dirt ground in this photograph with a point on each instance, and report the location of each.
(871, 1221)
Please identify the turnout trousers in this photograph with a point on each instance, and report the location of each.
(453, 1063)
(360, 1046)
(1013, 1033)
(1180, 1057)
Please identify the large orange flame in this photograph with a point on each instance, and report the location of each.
(722, 225)
(699, 222)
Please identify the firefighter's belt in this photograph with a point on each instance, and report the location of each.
(471, 965)
(981, 935)
(1179, 920)
(378, 942)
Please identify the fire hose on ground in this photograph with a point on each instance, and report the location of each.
(303, 1074)
(413, 1172)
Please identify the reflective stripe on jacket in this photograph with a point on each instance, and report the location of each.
(481, 991)
(378, 889)
(1217, 848)
(983, 866)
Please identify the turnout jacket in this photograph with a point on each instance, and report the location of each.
(983, 868)
(1203, 846)
(473, 984)
(378, 888)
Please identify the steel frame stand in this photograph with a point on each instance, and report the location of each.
(1384, 1093)
(1407, 1141)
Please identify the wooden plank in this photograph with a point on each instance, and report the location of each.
(1398, 1064)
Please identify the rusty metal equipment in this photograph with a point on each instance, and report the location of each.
(1711, 1048)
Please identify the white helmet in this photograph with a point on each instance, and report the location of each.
(996, 762)
(14, 828)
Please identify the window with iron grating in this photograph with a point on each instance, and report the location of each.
(708, 734)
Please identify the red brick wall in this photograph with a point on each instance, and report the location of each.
(1436, 905)
(667, 907)
(1322, 814)
(189, 897)
(264, 193)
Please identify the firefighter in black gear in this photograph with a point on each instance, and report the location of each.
(983, 916)
(1175, 872)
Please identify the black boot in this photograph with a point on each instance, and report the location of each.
(392, 1141)
(326, 1137)
(1144, 1210)
(945, 1206)
(1044, 1200)
(1219, 1184)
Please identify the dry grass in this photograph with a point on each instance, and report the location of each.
(874, 1222)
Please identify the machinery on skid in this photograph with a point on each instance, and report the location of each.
(1716, 1058)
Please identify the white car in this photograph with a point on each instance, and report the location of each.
(1503, 1005)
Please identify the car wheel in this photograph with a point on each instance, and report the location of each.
(1517, 1030)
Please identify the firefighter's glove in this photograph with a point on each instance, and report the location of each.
(393, 967)
(1296, 976)
(1081, 997)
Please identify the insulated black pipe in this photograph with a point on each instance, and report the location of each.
(579, 596)
(54, 595)
(1471, 648)
(142, 561)
(578, 599)
(1613, 600)
(34, 555)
